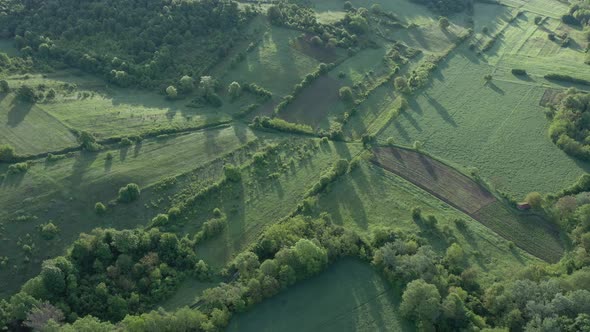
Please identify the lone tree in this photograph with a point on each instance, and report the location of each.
(443, 23)
(6, 152)
(186, 84)
(171, 92)
(27, 94)
(534, 199)
(346, 94)
(129, 193)
(234, 90)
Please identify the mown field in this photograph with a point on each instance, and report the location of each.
(498, 127)
(348, 296)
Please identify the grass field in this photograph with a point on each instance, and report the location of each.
(274, 57)
(31, 130)
(371, 198)
(66, 190)
(349, 296)
(461, 119)
(259, 200)
(533, 234)
(525, 45)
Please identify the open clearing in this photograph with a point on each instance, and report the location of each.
(529, 232)
(459, 118)
(274, 64)
(349, 296)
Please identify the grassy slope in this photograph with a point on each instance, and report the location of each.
(371, 198)
(29, 129)
(349, 296)
(66, 191)
(498, 128)
(259, 201)
(274, 64)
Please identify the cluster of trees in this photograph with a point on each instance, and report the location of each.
(579, 14)
(570, 123)
(341, 34)
(107, 274)
(445, 7)
(281, 125)
(128, 42)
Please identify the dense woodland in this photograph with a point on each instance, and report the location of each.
(113, 280)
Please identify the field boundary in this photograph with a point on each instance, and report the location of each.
(474, 199)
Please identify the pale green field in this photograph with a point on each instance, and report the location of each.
(498, 128)
(274, 64)
(525, 45)
(31, 130)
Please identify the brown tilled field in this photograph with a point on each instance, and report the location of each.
(435, 177)
(530, 232)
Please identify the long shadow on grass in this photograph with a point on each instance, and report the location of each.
(412, 121)
(468, 236)
(81, 164)
(442, 111)
(18, 112)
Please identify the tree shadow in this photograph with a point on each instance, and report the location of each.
(442, 111)
(18, 112)
(81, 164)
(137, 148)
(108, 165)
(123, 153)
(412, 121)
(494, 87)
(13, 180)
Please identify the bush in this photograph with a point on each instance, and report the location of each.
(129, 193)
(49, 231)
(160, 220)
(171, 92)
(346, 94)
(4, 87)
(232, 173)
(18, 168)
(100, 208)
(519, 72)
(6, 152)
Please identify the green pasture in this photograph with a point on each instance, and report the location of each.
(371, 197)
(259, 201)
(66, 190)
(497, 127)
(348, 296)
